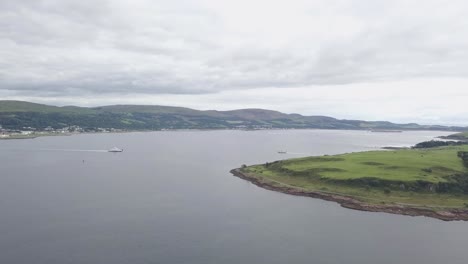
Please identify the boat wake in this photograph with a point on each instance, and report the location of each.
(77, 150)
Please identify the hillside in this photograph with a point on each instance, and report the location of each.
(18, 114)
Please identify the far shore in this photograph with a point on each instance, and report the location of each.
(37, 135)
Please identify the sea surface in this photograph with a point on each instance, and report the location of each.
(169, 198)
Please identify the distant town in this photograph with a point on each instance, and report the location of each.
(32, 132)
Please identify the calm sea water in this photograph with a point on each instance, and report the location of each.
(169, 198)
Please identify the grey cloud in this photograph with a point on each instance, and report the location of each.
(159, 47)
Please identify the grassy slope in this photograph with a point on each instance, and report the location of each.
(17, 114)
(155, 109)
(330, 173)
(19, 106)
(401, 165)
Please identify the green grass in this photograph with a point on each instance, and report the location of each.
(9, 106)
(353, 174)
(401, 165)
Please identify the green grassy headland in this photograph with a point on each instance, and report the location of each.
(434, 177)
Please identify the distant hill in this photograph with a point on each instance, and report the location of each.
(19, 114)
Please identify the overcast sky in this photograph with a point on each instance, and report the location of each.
(397, 60)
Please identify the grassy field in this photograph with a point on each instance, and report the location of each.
(403, 176)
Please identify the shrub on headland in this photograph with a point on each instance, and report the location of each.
(438, 143)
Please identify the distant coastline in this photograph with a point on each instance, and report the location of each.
(386, 131)
(115, 131)
(32, 136)
(21, 115)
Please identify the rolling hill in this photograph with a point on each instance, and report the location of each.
(19, 114)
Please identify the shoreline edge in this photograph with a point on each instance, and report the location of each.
(352, 203)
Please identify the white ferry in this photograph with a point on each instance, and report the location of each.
(115, 149)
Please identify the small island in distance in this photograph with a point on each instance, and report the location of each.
(430, 179)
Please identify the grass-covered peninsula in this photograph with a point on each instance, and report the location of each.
(431, 182)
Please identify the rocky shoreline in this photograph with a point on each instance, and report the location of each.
(351, 203)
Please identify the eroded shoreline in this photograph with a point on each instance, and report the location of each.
(351, 203)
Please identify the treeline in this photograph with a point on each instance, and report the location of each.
(438, 143)
(457, 183)
(130, 121)
(464, 156)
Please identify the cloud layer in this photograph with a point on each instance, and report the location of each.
(55, 50)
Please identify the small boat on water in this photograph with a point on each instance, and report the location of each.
(282, 152)
(115, 149)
